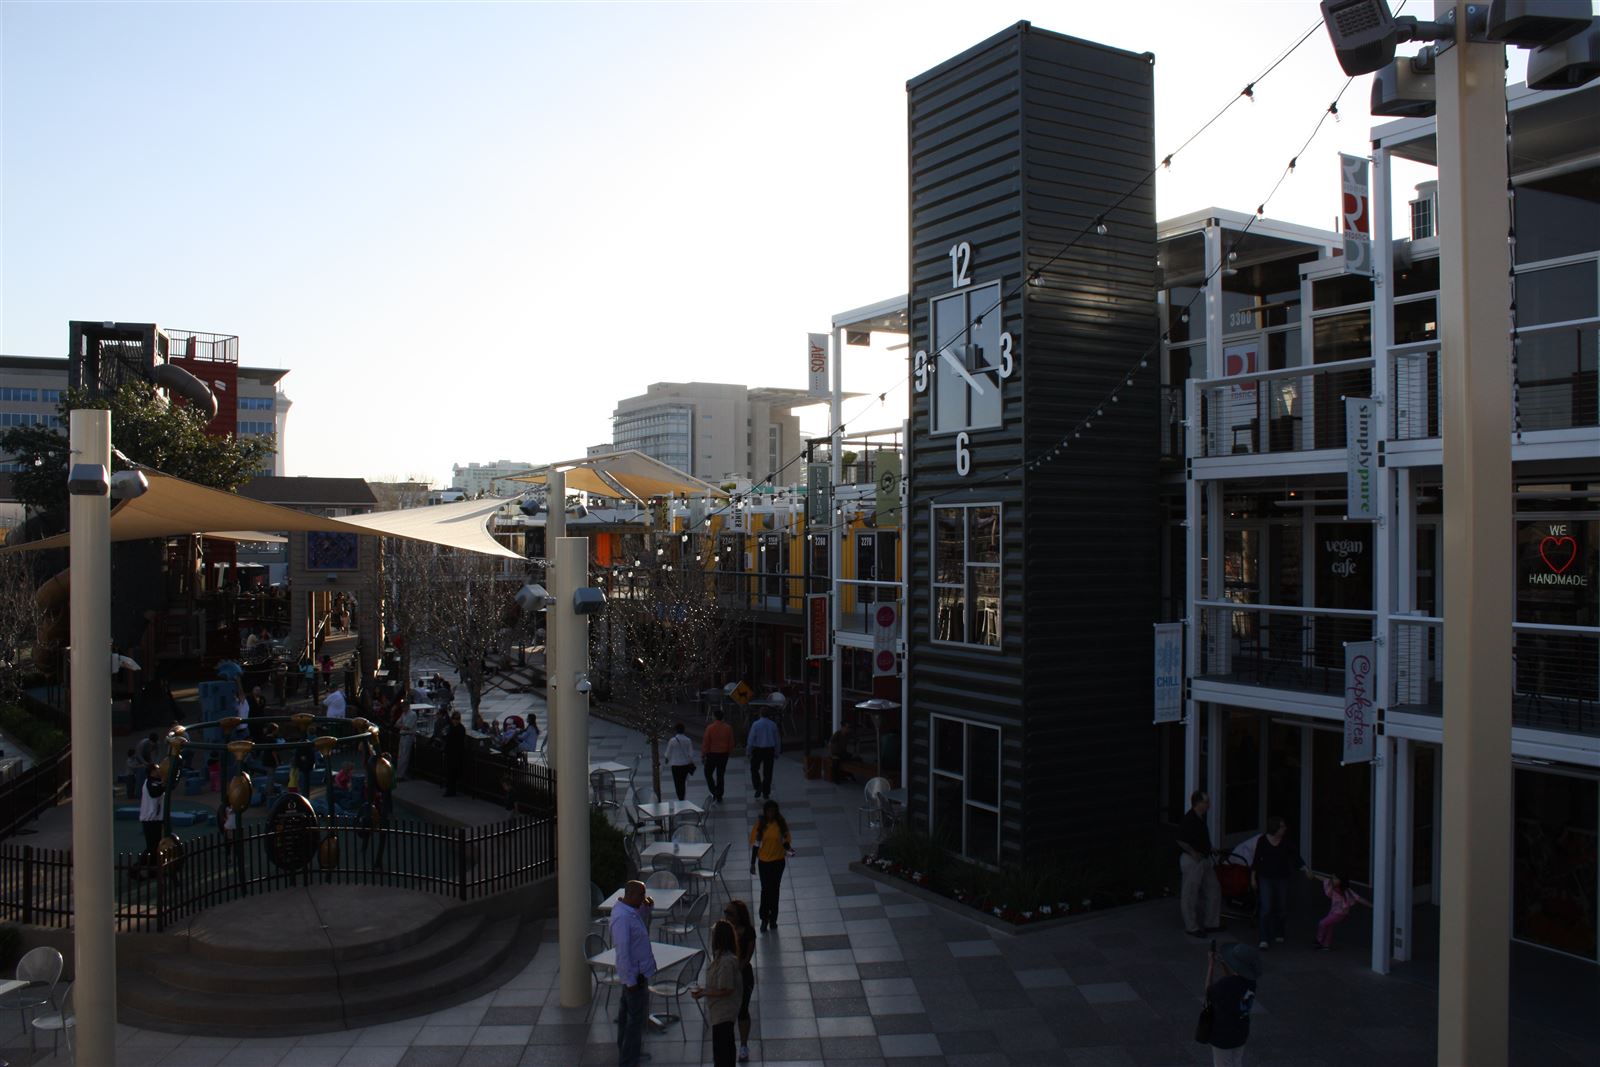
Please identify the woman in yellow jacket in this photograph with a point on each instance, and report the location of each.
(769, 847)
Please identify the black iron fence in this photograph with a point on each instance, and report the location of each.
(461, 862)
(39, 787)
(514, 779)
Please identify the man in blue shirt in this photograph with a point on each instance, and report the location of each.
(636, 964)
(762, 744)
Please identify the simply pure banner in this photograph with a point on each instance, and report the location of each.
(1360, 443)
(1169, 672)
(1360, 697)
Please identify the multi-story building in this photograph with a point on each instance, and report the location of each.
(1273, 570)
(713, 431)
(487, 479)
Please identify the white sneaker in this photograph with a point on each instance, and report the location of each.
(744, 1052)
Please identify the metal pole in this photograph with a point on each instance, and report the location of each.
(555, 528)
(1475, 416)
(94, 919)
(572, 769)
(835, 545)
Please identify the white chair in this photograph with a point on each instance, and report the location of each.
(870, 812)
(674, 985)
(646, 794)
(708, 877)
(603, 789)
(59, 1022)
(663, 877)
(603, 977)
(690, 923)
(689, 835)
(42, 968)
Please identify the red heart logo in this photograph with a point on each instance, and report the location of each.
(1571, 545)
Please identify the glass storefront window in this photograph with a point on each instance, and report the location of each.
(1421, 277)
(1553, 861)
(1416, 320)
(1556, 294)
(1186, 314)
(1183, 260)
(1558, 570)
(1557, 384)
(1557, 216)
(1341, 290)
(1339, 337)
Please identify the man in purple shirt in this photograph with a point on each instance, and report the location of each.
(636, 964)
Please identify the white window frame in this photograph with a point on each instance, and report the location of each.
(967, 585)
(934, 773)
(982, 295)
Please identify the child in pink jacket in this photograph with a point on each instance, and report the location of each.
(1340, 901)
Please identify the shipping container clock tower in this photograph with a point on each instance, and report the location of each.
(1032, 581)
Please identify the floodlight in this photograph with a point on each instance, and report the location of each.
(88, 479)
(125, 485)
(1535, 23)
(1567, 64)
(1364, 33)
(533, 597)
(1404, 89)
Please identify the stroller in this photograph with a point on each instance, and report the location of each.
(1233, 879)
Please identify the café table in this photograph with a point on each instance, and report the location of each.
(611, 766)
(11, 985)
(666, 900)
(667, 956)
(669, 810)
(689, 853)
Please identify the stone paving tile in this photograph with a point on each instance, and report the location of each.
(423, 1056)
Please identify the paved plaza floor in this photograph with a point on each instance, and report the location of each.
(859, 974)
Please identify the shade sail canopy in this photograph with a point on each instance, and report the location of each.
(172, 507)
(630, 474)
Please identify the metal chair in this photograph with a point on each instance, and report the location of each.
(42, 967)
(674, 984)
(603, 977)
(59, 1022)
(600, 922)
(708, 877)
(689, 835)
(603, 789)
(663, 877)
(690, 923)
(871, 810)
(646, 794)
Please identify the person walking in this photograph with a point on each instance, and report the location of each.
(722, 987)
(770, 847)
(738, 913)
(1340, 900)
(762, 744)
(1274, 861)
(838, 752)
(334, 704)
(151, 814)
(1200, 899)
(1229, 998)
(716, 745)
(455, 753)
(408, 739)
(680, 757)
(636, 965)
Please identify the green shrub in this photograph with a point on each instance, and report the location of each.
(40, 737)
(608, 855)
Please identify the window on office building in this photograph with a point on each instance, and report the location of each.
(966, 574)
(248, 428)
(255, 403)
(966, 787)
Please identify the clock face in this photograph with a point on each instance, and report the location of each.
(969, 360)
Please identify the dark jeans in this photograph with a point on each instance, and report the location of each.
(771, 879)
(761, 770)
(1272, 907)
(723, 1050)
(716, 772)
(680, 780)
(452, 775)
(630, 1024)
(839, 773)
(152, 837)
(748, 973)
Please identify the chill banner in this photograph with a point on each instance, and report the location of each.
(1360, 443)
(1169, 672)
(1360, 702)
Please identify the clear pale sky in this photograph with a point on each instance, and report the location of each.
(468, 229)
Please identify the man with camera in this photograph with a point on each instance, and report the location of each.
(636, 964)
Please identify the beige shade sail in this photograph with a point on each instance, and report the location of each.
(172, 507)
(629, 474)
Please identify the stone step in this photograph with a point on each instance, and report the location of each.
(290, 926)
(266, 977)
(237, 1004)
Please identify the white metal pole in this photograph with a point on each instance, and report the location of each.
(94, 919)
(1404, 819)
(1382, 852)
(835, 548)
(1475, 415)
(572, 769)
(555, 528)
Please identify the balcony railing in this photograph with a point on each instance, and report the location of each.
(1555, 682)
(1414, 392)
(1556, 384)
(1171, 422)
(1296, 409)
(859, 601)
(1276, 647)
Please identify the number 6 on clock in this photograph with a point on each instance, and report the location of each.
(963, 454)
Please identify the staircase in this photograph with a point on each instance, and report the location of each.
(311, 960)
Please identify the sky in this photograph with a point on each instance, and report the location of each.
(467, 230)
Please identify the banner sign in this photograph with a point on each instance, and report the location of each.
(817, 626)
(817, 365)
(885, 631)
(1243, 358)
(1360, 695)
(1355, 214)
(1360, 433)
(1169, 672)
(886, 472)
(817, 494)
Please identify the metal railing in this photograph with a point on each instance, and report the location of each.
(515, 780)
(461, 862)
(1296, 409)
(1414, 391)
(858, 599)
(1278, 647)
(41, 786)
(1171, 422)
(1555, 683)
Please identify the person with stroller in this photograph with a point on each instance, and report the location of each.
(1274, 863)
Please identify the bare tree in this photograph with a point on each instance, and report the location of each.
(19, 623)
(450, 604)
(670, 635)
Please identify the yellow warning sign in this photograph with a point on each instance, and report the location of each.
(742, 693)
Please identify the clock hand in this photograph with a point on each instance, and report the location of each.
(975, 385)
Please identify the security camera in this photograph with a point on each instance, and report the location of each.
(88, 479)
(126, 485)
(583, 684)
(588, 600)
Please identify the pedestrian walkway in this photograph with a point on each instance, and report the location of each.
(859, 974)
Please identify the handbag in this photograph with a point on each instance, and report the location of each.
(692, 768)
(1202, 1025)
